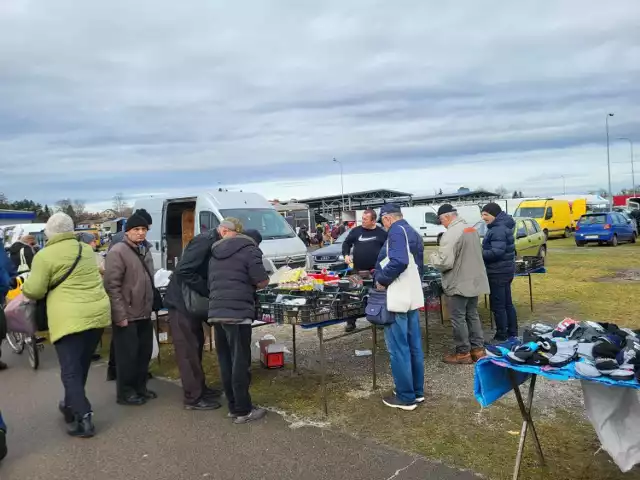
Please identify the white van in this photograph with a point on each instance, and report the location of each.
(177, 219)
(13, 233)
(424, 218)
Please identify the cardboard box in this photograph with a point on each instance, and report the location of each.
(271, 354)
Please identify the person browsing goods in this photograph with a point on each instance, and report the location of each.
(366, 241)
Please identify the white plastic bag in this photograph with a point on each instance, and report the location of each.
(162, 278)
(155, 352)
(405, 293)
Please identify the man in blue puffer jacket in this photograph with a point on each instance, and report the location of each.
(403, 337)
(499, 254)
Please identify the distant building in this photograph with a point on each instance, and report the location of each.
(12, 217)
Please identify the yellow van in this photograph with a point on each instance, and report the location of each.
(578, 209)
(554, 216)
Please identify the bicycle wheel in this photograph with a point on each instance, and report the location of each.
(33, 351)
(16, 342)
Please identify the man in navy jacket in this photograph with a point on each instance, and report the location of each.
(499, 254)
(403, 337)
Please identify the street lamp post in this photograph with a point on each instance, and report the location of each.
(633, 171)
(341, 182)
(609, 158)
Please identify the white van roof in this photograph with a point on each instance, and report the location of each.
(222, 200)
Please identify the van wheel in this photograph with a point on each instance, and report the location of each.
(567, 233)
(543, 252)
(614, 241)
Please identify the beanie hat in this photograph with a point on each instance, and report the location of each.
(492, 209)
(446, 208)
(58, 223)
(136, 220)
(144, 214)
(254, 235)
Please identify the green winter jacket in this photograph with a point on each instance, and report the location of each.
(80, 303)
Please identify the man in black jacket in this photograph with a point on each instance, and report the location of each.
(499, 254)
(235, 272)
(366, 241)
(188, 336)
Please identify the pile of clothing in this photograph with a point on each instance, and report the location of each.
(595, 349)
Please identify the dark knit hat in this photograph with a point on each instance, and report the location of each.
(254, 235)
(492, 209)
(144, 214)
(446, 208)
(136, 220)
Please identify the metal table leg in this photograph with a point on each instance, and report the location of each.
(530, 293)
(295, 353)
(374, 332)
(323, 371)
(527, 422)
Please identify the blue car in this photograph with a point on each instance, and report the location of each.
(610, 228)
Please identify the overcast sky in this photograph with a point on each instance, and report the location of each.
(163, 96)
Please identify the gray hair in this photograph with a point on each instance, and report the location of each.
(453, 214)
(57, 224)
(396, 215)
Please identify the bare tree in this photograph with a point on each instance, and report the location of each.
(80, 209)
(501, 191)
(120, 205)
(63, 205)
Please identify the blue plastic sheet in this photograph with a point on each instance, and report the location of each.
(492, 378)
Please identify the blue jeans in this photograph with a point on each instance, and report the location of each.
(404, 343)
(502, 306)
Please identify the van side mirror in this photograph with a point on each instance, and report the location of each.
(521, 234)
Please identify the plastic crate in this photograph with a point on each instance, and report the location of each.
(351, 304)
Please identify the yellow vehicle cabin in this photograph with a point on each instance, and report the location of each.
(554, 216)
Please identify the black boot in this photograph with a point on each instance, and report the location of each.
(3, 444)
(69, 417)
(82, 427)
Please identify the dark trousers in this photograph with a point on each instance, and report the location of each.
(74, 355)
(502, 306)
(112, 355)
(233, 344)
(133, 347)
(188, 342)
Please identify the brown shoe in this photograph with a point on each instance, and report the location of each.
(458, 359)
(477, 354)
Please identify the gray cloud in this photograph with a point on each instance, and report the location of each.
(151, 96)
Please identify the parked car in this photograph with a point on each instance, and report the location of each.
(330, 257)
(531, 241)
(626, 214)
(610, 228)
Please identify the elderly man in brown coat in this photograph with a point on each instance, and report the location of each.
(129, 282)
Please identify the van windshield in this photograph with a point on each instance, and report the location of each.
(530, 212)
(268, 222)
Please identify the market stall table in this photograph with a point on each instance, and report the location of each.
(495, 377)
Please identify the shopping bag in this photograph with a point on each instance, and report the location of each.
(155, 351)
(376, 309)
(196, 304)
(405, 293)
(20, 315)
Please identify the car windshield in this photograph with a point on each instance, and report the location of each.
(481, 227)
(593, 220)
(342, 237)
(267, 221)
(532, 212)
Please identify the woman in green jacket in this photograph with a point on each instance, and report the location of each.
(78, 310)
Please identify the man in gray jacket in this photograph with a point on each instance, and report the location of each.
(464, 278)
